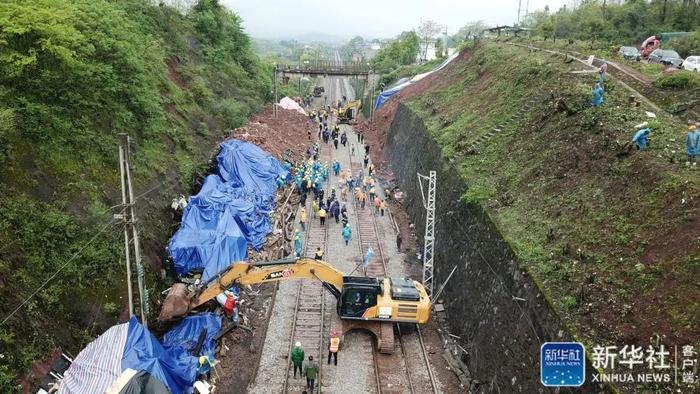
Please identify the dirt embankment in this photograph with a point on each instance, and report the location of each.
(376, 132)
(276, 134)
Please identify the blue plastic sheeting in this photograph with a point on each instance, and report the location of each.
(216, 227)
(143, 352)
(386, 95)
(183, 338)
(246, 165)
(230, 213)
(403, 82)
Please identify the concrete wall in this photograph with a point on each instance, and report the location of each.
(501, 335)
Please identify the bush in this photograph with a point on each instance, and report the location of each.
(678, 80)
(233, 113)
(477, 193)
(688, 46)
(569, 302)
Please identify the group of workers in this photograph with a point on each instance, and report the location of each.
(310, 177)
(642, 133)
(310, 370)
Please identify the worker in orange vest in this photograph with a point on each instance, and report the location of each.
(333, 348)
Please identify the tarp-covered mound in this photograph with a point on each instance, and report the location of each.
(290, 104)
(245, 165)
(217, 225)
(230, 213)
(130, 346)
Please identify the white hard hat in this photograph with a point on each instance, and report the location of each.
(297, 344)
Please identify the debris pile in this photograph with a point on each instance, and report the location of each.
(288, 131)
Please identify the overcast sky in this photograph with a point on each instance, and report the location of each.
(371, 18)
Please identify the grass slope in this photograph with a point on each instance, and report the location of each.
(611, 240)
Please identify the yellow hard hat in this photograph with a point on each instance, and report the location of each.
(202, 360)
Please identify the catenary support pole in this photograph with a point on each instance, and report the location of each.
(124, 215)
(274, 88)
(429, 237)
(371, 100)
(135, 235)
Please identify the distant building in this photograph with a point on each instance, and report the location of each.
(356, 57)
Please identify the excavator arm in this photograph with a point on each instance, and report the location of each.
(247, 274)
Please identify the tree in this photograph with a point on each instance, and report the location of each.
(356, 45)
(618, 22)
(427, 31)
(473, 28)
(401, 51)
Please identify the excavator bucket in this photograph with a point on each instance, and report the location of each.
(176, 304)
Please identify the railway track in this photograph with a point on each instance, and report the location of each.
(399, 372)
(309, 311)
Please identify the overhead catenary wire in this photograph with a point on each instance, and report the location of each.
(123, 207)
(50, 278)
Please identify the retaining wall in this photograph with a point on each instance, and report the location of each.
(491, 304)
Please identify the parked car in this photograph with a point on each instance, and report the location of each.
(630, 53)
(666, 56)
(692, 63)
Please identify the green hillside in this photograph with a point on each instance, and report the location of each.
(610, 238)
(74, 74)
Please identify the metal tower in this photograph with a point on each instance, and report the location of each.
(429, 238)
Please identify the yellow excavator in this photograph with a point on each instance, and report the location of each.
(349, 112)
(372, 304)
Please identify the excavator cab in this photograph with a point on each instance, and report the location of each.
(359, 294)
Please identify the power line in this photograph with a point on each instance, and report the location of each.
(75, 255)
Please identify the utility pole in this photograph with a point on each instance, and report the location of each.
(429, 237)
(274, 88)
(445, 46)
(125, 143)
(371, 101)
(527, 8)
(123, 216)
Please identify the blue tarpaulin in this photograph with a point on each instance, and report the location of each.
(183, 338)
(230, 213)
(403, 82)
(131, 346)
(246, 165)
(143, 352)
(386, 95)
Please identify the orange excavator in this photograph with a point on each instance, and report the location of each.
(372, 304)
